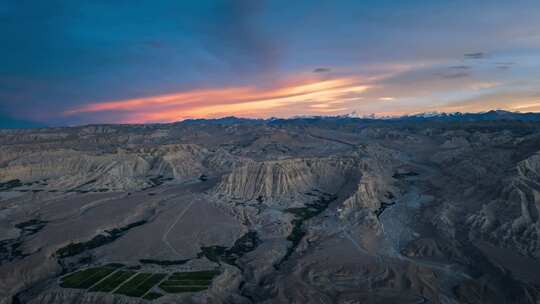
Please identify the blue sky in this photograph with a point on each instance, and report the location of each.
(102, 61)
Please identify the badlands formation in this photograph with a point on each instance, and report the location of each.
(308, 210)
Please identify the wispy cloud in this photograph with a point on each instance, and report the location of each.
(322, 70)
(453, 75)
(232, 101)
(477, 55)
(504, 65)
(393, 90)
(460, 67)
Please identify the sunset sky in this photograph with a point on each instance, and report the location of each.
(137, 61)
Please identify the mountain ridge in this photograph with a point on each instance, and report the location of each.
(491, 115)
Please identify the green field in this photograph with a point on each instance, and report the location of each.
(151, 282)
(127, 288)
(188, 281)
(137, 284)
(194, 275)
(85, 278)
(140, 284)
(113, 281)
(152, 296)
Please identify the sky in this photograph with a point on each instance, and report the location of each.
(73, 62)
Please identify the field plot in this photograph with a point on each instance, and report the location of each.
(152, 295)
(118, 279)
(188, 281)
(140, 284)
(113, 281)
(85, 278)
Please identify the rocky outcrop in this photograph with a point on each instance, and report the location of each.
(455, 143)
(338, 210)
(280, 179)
(122, 169)
(530, 168)
(376, 185)
(23, 274)
(370, 193)
(512, 220)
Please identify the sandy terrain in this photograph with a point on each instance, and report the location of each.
(335, 210)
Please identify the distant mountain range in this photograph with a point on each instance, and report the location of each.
(481, 116)
(493, 115)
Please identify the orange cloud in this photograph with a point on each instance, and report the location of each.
(321, 96)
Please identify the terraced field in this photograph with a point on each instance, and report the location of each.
(84, 279)
(113, 281)
(188, 281)
(114, 278)
(141, 284)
